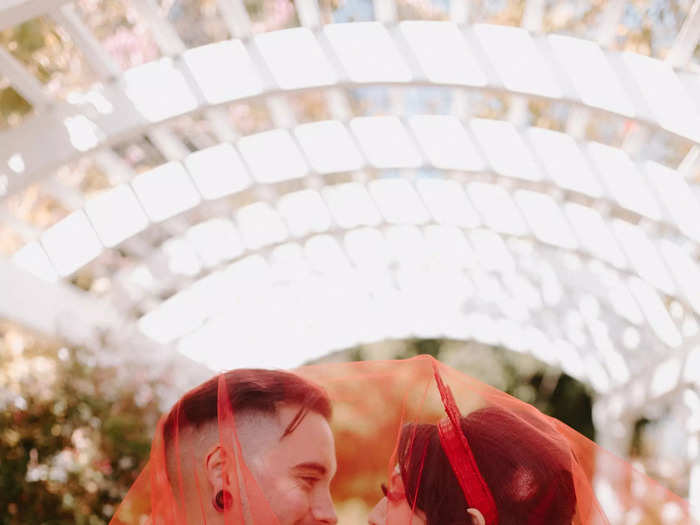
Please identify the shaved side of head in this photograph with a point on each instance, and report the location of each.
(239, 407)
(256, 432)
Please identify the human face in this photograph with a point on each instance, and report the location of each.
(295, 474)
(393, 508)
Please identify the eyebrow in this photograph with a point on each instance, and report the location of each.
(310, 465)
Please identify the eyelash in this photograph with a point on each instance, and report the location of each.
(391, 496)
(309, 480)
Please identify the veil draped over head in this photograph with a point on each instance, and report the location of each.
(456, 443)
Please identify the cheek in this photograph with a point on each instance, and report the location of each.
(290, 501)
(378, 514)
(400, 513)
(287, 500)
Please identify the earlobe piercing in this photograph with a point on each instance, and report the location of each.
(223, 500)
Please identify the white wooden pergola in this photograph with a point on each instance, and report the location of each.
(277, 247)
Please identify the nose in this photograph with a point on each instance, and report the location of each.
(378, 514)
(324, 511)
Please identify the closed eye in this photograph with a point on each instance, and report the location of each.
(309, 480)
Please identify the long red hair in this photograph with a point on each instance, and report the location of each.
(528, 473)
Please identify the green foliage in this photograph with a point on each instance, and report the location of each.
(74, 436)
(12, 106)
(72, 440)
(550, 390)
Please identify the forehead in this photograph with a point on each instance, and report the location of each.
(311, 442)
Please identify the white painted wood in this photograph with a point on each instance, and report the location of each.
(687, 40)
(164, 33)
(611, 18)
(236, 18)
(309, 13)
(95, 55)
(23, 81)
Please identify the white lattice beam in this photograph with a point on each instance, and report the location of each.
(53, 308)
(23, 81)
(236, 18)
(121, 108)
(687, 40)
(385, 11)
(164, 33)
(99, 60)
(14, 12)
(309, 13)
(533, 15)
(607, 27)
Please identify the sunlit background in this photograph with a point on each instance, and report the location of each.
(187, 186)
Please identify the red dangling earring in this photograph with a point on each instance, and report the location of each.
(223, 500)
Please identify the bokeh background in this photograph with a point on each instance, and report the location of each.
(80, 393)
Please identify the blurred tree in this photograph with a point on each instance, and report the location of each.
(72, 436)
(12, 107)
(550, 390)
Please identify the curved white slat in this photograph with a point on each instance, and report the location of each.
(308, 67)
(676, 197)
(447, 202)
(304, 213)
(446, 143)
(497, 208)
(530, 73)
(217, 171)
(351, 206)
(546, 219)
(121, 202)
(564, 162)
(71, 243)
(665, 95)
(491, 253)
(215, 241)
(398, 201)
(442, 53)
(246, 278)
(385, 142)
(272, 156)
(224, 72)
(495, 137)
(171, 177)
(329, 147)
(591, 74)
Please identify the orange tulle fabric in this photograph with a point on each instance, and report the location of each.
(374, 405)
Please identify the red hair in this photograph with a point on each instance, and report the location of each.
(249, 390)
(527, 471)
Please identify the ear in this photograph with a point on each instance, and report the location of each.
(477, 516)
(215, 466)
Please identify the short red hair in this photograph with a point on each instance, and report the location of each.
(249, 390)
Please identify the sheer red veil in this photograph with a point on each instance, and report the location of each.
(457, 443)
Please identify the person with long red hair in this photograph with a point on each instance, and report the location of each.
(526, 476)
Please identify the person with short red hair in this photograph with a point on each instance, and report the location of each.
(247, 446)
